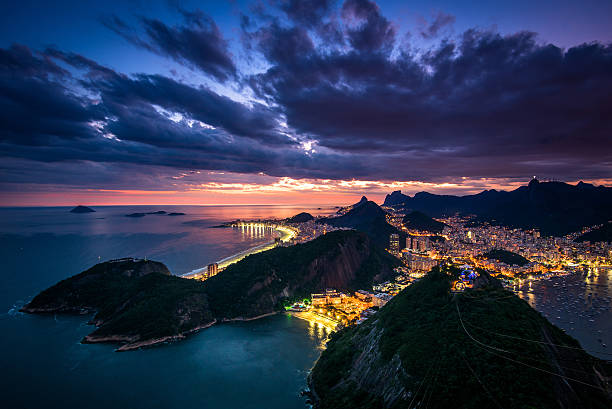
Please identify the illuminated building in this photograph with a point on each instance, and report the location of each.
(394, 246)
(212, 270)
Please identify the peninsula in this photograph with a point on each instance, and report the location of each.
(139, 303)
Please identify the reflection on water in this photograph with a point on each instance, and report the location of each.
(580, 304)
(250, 365)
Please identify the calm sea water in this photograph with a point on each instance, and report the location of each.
(258, 364)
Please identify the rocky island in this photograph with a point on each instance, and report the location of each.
(139, 303)
(484, 348)
(82, 209)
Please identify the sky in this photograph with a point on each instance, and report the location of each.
(299, 102)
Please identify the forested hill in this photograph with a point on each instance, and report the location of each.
(138, 302)
(555, 208)
(485, 348)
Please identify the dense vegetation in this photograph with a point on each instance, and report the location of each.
(344, 259)
(553, 207)
(420, 221)
(130, 297)
(140, 300)
(444, 365)
(603, 233)
(505, 256)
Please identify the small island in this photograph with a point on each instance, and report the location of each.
(82, 209)
(136, 215)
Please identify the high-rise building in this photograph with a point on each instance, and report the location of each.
(394, 246)
(213, 269)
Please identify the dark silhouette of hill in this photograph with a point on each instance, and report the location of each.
(300, 218)
(505, 256)
(420, 221)
(603, 233)
(555, 208)
(366, 216)
(82, 209)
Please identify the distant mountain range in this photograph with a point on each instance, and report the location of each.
(555, 208)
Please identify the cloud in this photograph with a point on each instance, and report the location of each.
(197, 43)
(368, 30)
(351, 105)
(440, 21)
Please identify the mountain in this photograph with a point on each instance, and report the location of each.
(420, 221)
(603, 233)
(82, 209)
(505, 256)
(366, 216)
(139, 303)
(555, 208)
(484, 348)
(300, 218)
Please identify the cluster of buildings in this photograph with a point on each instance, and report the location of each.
(464, 242)
(347, 308)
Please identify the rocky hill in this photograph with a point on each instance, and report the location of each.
(82, 209)
(300, 218)
(553, 207)
(484, 348)
(138, 302)
(366, 216)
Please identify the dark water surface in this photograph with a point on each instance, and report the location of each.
(258, 364)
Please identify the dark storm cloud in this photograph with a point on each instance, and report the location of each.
(483, 98)
(308, 13)
(440, 21)
(36, 108)
(479, 105)
(368, 31)
(197, 43)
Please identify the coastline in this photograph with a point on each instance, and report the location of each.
(234, 258)
(131, 342)
(318, 319)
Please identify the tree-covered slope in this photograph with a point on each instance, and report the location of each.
(420, 221)
(505, 256)
(346, 260)
(485, 348)
(603, 233)
(139, 302)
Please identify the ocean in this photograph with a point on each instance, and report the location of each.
(257, 364)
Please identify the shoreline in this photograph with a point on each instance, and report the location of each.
(234, 258)
(131, 342)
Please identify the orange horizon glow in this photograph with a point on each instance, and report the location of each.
(284, 191)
